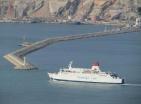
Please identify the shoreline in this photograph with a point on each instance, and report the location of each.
(112, 23)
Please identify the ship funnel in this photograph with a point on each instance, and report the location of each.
(96, 67)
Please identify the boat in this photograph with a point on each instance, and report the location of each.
(25, 44)
(93, 75)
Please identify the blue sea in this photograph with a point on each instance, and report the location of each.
(118, 53)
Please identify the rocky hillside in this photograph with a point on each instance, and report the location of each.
(74, 10)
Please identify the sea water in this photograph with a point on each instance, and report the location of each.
(118, 53)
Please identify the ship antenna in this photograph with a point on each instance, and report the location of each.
(70, 65)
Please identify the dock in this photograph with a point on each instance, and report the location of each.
(17, 57)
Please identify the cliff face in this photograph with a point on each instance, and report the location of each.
(77, 10)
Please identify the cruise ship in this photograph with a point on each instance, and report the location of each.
(93, 75)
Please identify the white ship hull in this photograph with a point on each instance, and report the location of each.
(91, 78)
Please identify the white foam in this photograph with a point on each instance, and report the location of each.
(130, 84)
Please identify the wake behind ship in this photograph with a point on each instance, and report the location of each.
(93, 75)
